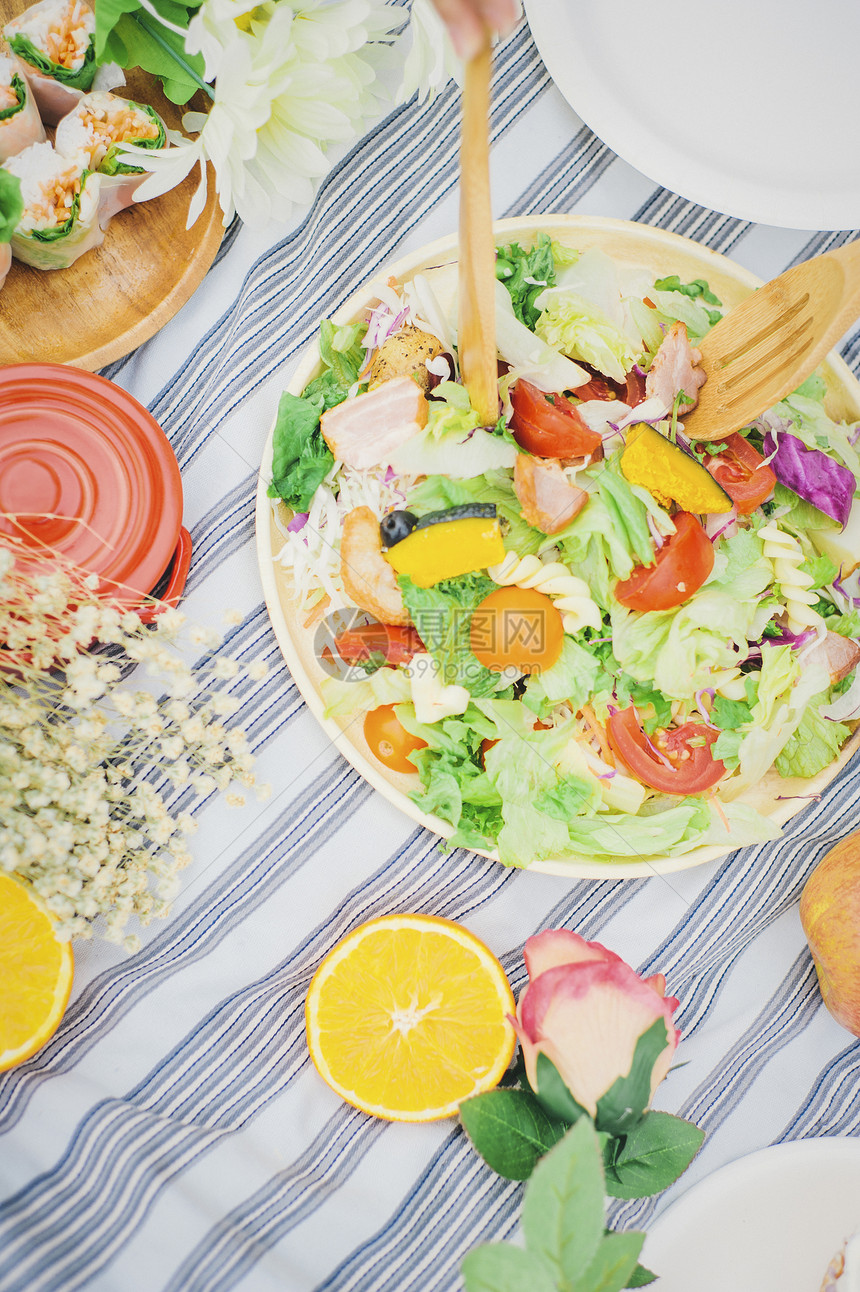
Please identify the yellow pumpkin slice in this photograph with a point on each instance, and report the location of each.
(651, 459)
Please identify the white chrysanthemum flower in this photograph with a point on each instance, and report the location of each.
(431, 61)
(290, 80)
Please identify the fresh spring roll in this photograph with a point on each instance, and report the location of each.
(11, 210)
(92, 134)
(61, 208)
(20, 123)
(54, 38)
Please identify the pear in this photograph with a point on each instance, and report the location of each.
(830, 915)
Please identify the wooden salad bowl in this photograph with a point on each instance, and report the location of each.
(638, 246)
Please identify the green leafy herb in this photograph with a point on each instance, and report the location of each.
(698, 287)
(525, 274)
(511, 1130)
(301, 459)
(645, 697)
(730, 714)
(11, 204)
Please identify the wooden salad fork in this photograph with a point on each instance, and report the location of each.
(476, 333)
(766, 346)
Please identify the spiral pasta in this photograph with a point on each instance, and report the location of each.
(785, 555)
(569, 594)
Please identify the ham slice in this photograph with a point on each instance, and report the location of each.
(364, 431)
(548, 500)
(839, 655)
(674, 369)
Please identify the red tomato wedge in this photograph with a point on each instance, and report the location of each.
(680, 568)
(676, 761)
(397, 644)
(742, 472)
(549, 425)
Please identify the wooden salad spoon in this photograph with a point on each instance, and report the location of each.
(476, 335)
(766, 346)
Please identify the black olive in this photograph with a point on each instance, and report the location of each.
(395, 526)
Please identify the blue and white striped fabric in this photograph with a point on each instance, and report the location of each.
(174, 1134)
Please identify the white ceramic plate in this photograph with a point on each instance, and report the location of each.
(640, 246)
(748, 108)
(769, 1222)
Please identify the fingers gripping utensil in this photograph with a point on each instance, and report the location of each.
(477, 277)
(773, 340)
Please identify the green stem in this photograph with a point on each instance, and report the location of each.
(151, 29)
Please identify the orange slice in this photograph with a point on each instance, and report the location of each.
(406, 1017)
(35, 973)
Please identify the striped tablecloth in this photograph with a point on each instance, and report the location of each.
(174, 1134)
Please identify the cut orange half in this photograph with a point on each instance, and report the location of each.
(35, 973)
(406, 1018)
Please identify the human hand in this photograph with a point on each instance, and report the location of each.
(468, 21)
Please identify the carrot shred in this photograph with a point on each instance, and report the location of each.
(599, 733)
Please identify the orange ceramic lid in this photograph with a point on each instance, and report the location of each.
(87, 473)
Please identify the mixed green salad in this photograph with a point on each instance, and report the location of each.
(583, 633)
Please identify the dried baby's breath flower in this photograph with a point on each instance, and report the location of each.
(92, 766)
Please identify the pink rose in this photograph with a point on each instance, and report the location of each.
(585, 1009)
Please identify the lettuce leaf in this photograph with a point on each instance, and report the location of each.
(676, 650)
(570, 323)
(301, 459)
(75, 78)
(11, 204)
(442, 614)
(343, 357)
(814, 744)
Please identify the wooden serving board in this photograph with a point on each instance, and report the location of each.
(120, 294)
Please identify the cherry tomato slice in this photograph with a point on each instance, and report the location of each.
(742, 472)
(677, 761)
(516, 628)
(549, 426)
(395, 643)
(680, 568)
(389, 740)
